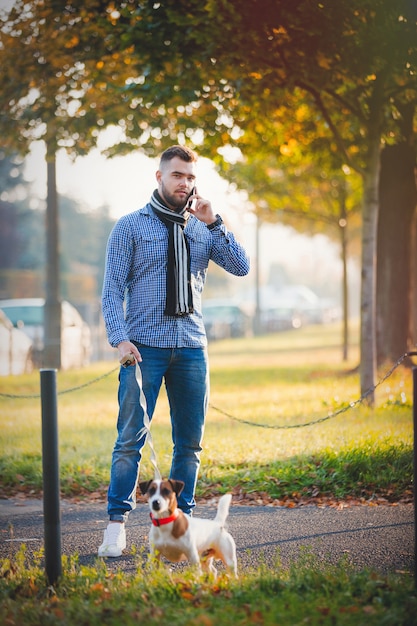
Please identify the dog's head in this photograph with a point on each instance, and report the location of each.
(162, 494)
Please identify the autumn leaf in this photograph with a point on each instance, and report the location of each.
(71, 43)
(187, 595)
(323, 61)
(204, 620)
(324, 610)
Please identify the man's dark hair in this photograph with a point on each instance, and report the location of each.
(184, 153)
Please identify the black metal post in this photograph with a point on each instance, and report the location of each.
(50, 465)
(415, 470)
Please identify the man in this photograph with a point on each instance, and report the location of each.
(156, 265)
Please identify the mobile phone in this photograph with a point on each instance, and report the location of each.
(190, 202)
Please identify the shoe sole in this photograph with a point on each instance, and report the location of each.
(109, 552)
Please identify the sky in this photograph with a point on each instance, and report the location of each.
(123, 183)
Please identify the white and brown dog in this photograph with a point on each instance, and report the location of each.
(178, 537)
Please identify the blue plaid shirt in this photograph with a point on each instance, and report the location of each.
(134, 288)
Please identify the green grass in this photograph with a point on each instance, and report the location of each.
(308, 592)
(263, 392)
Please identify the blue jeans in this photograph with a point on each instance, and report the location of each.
(185, 371)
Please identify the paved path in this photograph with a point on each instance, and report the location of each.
(381, 537)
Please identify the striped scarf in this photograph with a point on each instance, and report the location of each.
(179, 300)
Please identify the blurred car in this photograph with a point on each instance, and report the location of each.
(295, 306)
(224, 319)
(27, 314)
(310, 308)
(280, 315)
(15, 349)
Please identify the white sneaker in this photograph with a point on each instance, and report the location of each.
(114, 541)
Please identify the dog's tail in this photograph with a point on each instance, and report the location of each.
(223, 508)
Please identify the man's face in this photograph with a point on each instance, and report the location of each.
(176, 180)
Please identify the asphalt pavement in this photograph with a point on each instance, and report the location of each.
(378, 537)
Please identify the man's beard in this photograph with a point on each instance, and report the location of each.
(172, 201)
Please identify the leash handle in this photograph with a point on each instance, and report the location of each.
(146, 430)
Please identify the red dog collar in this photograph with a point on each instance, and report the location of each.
(160, 521)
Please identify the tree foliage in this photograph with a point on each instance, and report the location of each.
(56, 65)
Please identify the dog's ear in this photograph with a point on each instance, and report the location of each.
(177, 485)
(144, 486)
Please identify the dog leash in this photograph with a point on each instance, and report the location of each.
(146, 430)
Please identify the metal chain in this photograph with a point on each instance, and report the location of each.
(60, 393)
(331, 415)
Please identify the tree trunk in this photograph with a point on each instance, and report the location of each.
(52, 320)
(345, 289)
(369, 242)
(397, 204)
(368, 283)
(413, 317)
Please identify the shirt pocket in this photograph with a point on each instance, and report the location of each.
(151, 251)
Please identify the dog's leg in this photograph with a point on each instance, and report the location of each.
(210, 567)
(207, 563)
(194, 558)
